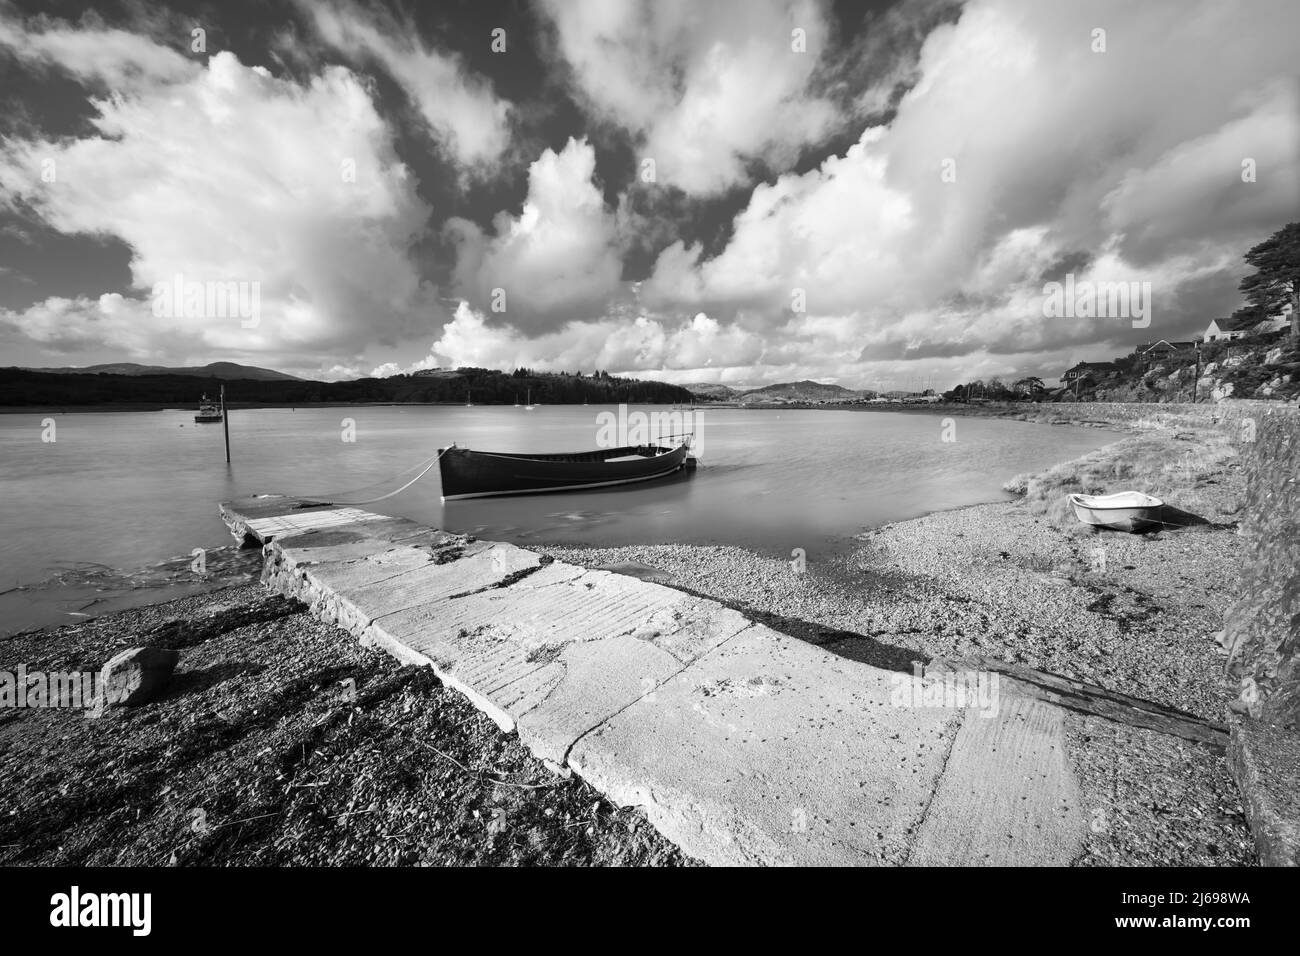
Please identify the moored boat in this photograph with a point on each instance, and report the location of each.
(209, 411)
(475, 474)
(1124, 511)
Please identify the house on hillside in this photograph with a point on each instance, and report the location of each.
(1226, 330)
(1153, 351)
(1090, 372)
(1241, 325)
(1149, 353)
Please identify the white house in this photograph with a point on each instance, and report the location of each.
(1225, 330)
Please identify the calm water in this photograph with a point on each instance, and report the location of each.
(127, 490)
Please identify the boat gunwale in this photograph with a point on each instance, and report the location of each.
(1078, 500)
(569, 456)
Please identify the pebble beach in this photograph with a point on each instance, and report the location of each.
(256, 735)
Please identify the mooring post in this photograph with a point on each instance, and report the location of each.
(225, 422)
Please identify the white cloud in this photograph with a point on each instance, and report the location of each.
(119, 58)
(1131, 158)
(459, 107)
(705, 86)
(1117, 165)
(558, 259)
(630, 342)
(226, 173)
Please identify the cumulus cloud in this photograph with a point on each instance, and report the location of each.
(224, 173)
(1132, 157)
(630, 342)
(556, 260)
(705, 87)
(460, 108)
(1002, 151)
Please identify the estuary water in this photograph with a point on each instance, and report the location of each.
(122, 491)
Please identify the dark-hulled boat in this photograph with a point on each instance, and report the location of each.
(475, 474)
(209, 411)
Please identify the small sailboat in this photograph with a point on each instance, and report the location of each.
(530, 406)
(209, 411)
(478, 474)
(468, 402)
(1124, 511)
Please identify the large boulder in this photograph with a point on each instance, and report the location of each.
(137, 675)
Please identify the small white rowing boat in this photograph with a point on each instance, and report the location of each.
(1125, 511)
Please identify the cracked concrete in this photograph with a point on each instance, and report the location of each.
(743, 745)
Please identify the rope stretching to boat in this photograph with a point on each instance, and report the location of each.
(370, 501)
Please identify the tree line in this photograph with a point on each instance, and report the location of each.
(23, 387)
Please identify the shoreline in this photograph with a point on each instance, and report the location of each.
(1005, 582)
(1023, 411)
(995, 580)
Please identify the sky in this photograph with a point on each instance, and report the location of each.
(871, 194)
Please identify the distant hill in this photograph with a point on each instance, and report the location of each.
(226, 370)
(804, 391)
(709, 392)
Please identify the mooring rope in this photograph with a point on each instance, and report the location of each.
(369, 501)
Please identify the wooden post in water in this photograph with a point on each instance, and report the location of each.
(225, 422)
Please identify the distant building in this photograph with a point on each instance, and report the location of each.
(1151, 352)
(1090, 372)
(1163, 348)
(1225, 330)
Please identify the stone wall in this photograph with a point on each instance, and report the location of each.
(1172, 414)
(1263, 626)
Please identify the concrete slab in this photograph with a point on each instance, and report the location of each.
(257, 519)
(1007, 796)
(744, 745)
(1265, 762)
(768, 750)
(562, 649)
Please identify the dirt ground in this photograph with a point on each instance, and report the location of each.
(282, 741)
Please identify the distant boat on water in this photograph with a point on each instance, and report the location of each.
(209, 411)
(530, 406)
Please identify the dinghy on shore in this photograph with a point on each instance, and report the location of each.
(1124, 511)
(477, 474)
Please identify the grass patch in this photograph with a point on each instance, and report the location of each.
(1174, 466)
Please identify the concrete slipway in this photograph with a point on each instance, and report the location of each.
(742, 744)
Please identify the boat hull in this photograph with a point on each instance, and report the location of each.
(475, 474)
(1127, 511)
